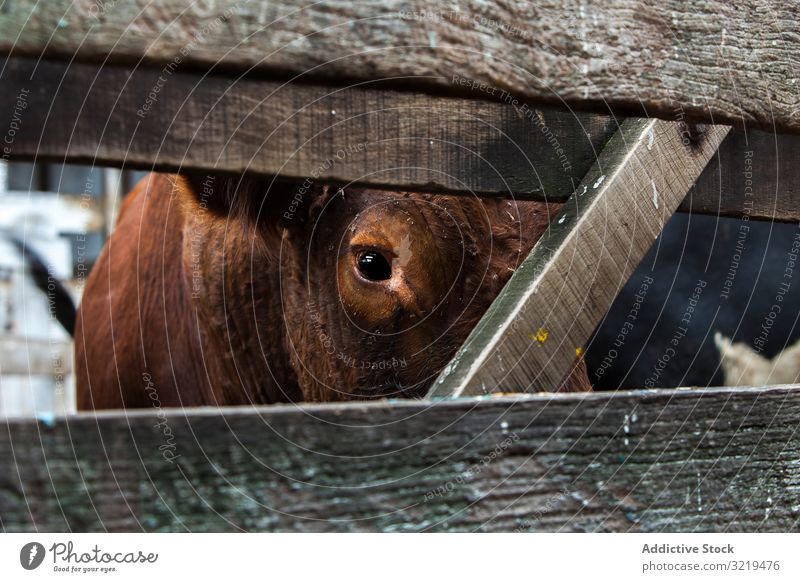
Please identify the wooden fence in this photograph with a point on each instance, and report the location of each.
(478, 100)
(660, 460)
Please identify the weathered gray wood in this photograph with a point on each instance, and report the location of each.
(711, 60)
(31, 357)
(671, 460)
(755, 174)
(519, 158)
(528, 339)
(84, 113)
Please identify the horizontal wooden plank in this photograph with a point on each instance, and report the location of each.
(530, 336)
(478, 147)
(754, 175)
(34, 357)
(711, 61)
(145, 118)
(668, 460)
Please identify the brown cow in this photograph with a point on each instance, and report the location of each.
(216, 291)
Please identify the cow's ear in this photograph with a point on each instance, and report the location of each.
(293, 206)
(216, 193)
(270, 205)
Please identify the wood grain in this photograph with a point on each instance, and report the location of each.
(479, 147)
(669, 460)
(712, 60)
(755, 175)
(531, 334)
(108, 115)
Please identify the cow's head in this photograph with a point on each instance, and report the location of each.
(381, 288)
(378, 289)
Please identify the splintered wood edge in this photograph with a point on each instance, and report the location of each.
(529, 338)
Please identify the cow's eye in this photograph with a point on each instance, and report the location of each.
(373, 266)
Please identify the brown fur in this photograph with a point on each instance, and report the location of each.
(216, 292)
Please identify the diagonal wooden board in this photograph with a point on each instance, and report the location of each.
(528, 339)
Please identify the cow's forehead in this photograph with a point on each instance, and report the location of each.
(358, 200)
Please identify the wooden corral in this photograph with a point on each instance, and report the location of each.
(474, 102)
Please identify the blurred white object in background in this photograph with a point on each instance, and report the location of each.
(62, 214)
(744, 366)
